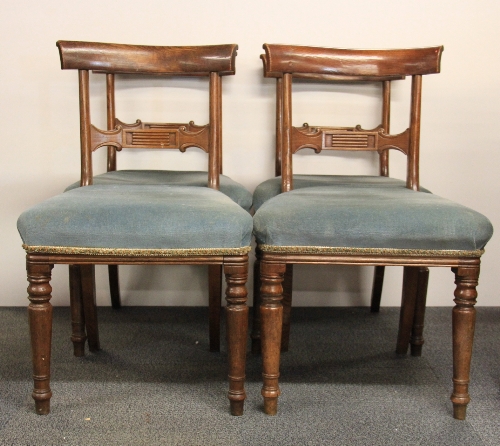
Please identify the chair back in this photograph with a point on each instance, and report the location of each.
(211, 61)
(286, 62)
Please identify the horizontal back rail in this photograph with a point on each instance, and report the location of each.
(346, 64)
(142, 59)
(148, 135)
(345, 138)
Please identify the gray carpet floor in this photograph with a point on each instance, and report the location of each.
(155, 382)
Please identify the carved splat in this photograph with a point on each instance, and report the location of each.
(152, 136)
(307, 137)
(347, 138)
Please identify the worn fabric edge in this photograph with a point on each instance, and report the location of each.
(133, 252)
(376, 251)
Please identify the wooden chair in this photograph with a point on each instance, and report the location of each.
(272, 187)
(229, 187)
(138, 224)
(356, 225)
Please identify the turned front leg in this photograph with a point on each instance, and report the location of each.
(40, 321)
(236, 272)
(271, 315)
(464, 319)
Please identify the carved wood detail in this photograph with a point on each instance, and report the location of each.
(149, 135)
(307, 137)
(347, 138)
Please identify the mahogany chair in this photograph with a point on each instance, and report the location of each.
(138, 224)
(352, 224)
(272, 187)
(189, 135)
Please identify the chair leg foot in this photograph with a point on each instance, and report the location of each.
(270, 406)
(416, 350)
(78, 350)
(459, 411)
(42, 407)
(237, 408)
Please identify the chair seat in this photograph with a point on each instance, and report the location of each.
(369, 217)
(229, 187)
(272, 187)
(131, 217)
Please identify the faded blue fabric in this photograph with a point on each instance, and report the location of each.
(272, 187)
(229, 187)
(357, 217)
(140, 217)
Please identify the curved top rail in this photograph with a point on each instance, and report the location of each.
(339, 63)
(142, 59)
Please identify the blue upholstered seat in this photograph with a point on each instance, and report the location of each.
(229, 187)
(369, 217)
(272, 187)
(128, 217)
